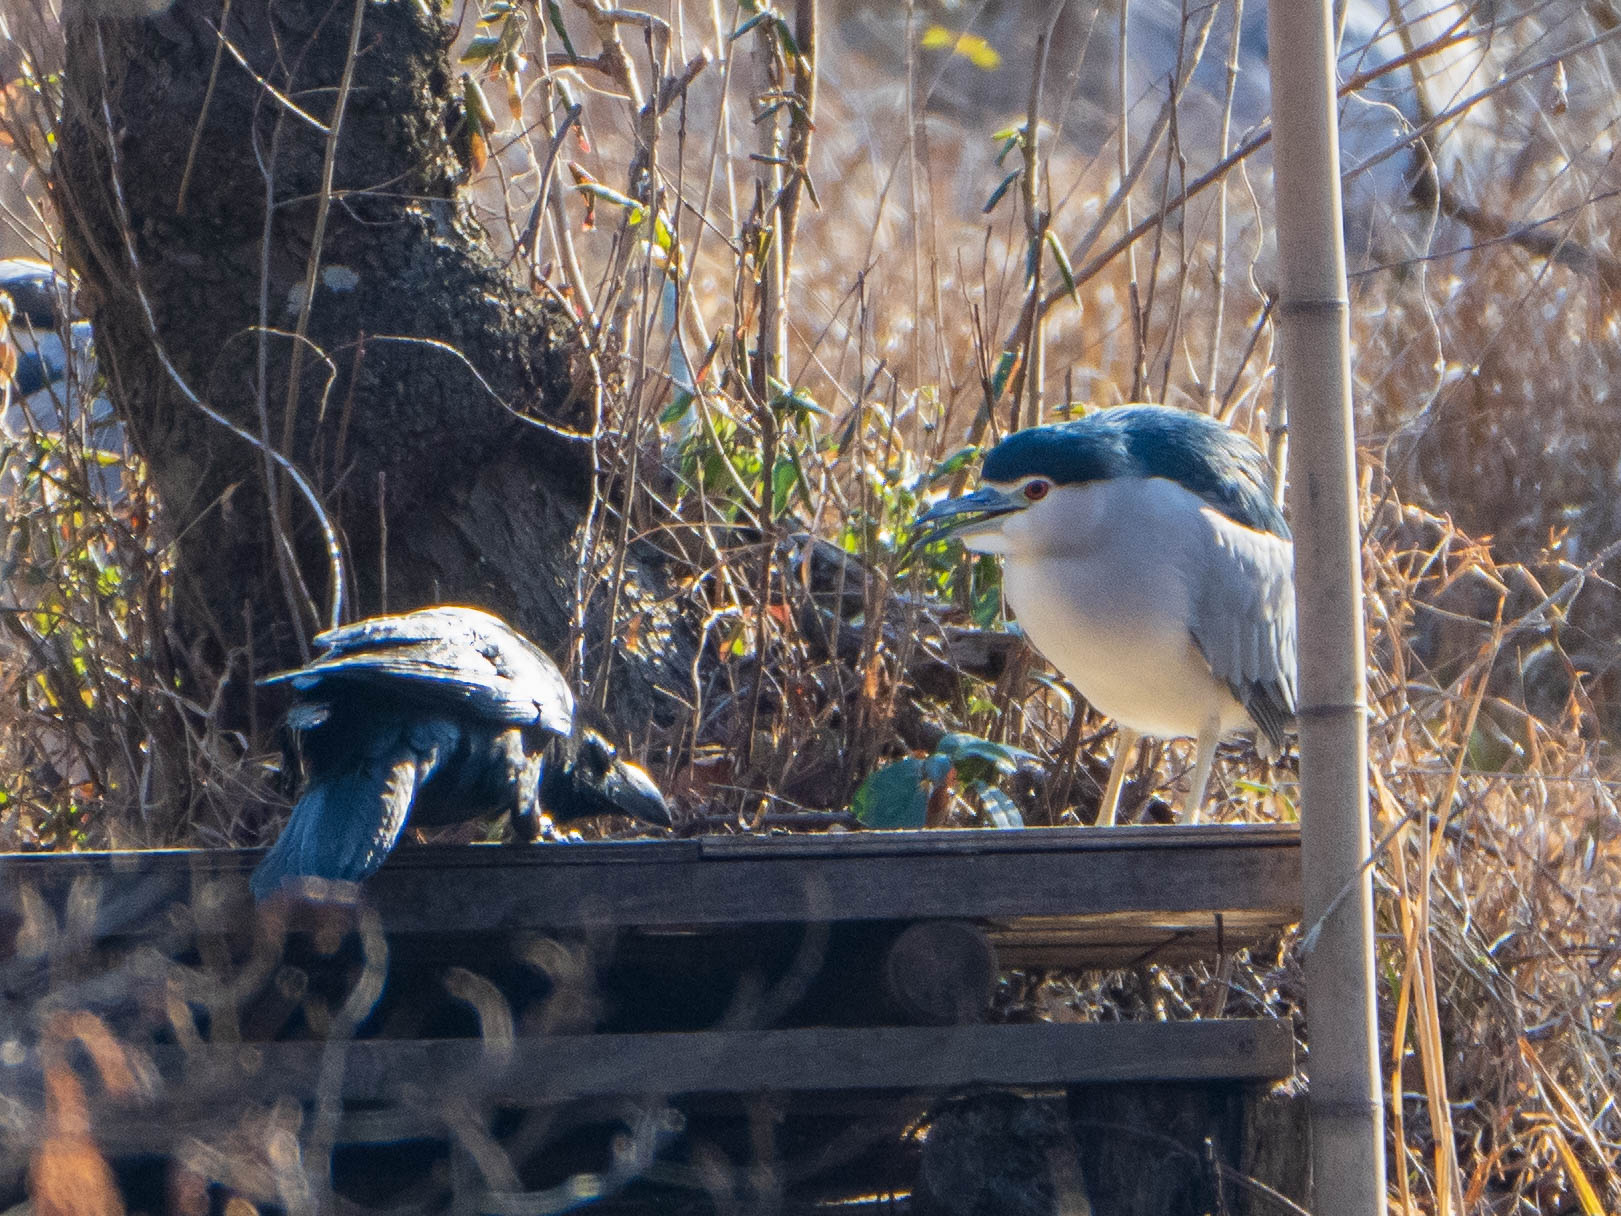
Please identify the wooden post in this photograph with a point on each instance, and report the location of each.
(1347, 1136)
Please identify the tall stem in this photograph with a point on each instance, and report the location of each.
(1314, 375)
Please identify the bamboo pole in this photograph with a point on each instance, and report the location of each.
(1314, 376)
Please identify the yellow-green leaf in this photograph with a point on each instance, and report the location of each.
(485, 46)
(971, 47)
(1065, 270)
(479, 113)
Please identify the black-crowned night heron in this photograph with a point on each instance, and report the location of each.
(45, 395)
(1144, 555)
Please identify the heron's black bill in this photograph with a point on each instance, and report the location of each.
(952, 515)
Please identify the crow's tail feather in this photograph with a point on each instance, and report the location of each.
(344, 825)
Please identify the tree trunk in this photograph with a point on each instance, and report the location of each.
(436, 406)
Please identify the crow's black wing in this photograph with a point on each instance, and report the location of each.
(448, 656)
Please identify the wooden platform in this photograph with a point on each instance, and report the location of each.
(1048, 896)
(734, 984)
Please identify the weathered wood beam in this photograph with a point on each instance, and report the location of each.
(997, 875)
(534, 1071)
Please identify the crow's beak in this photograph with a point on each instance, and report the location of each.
(630, 791)
(600, 783)
(962, 515)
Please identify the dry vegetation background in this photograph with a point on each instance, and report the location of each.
(1480, 179)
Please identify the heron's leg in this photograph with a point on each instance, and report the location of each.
(1125, 744)
(1209, 736)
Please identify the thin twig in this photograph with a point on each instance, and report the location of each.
(202, 117)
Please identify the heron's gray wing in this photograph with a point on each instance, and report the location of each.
(1244, 620)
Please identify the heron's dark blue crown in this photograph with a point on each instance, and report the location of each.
(1200, 454)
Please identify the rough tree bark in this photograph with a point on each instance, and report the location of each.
(421, 370)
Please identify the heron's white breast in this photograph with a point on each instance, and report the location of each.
(1100, 579)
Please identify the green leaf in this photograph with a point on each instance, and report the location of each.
(801, 482)
(797, 399)
(749, 25)
(980, 761)
(1003, 758)
(762, 244)
(951, 465)
(783, 476)
(787, 35)
(496, 45)
(895, 796)
(1004, 369)
(676, 410)
(485, 46)
(512, 30)
(996, 195)
(479, 114)
(1010, 138)
(987, 602)
(554, 11)
(1065, 270)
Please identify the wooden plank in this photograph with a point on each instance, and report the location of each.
(837, 888)
(719, 881)
(534, 1071)
(990, 840)
(1127, 939)
(932, 842)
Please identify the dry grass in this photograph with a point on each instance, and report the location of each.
(1486, 331)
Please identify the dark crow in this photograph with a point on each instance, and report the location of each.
(436, 716)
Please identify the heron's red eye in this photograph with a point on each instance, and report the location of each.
(1035, 491)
